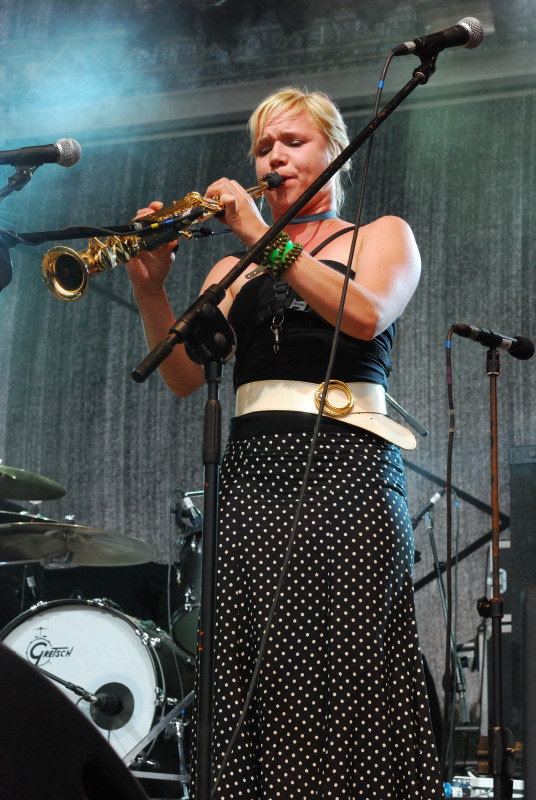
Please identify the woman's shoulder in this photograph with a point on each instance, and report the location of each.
(387, 222)
(388, 229)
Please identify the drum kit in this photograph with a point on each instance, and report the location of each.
(129, 677)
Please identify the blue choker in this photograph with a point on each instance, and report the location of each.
(314, 217)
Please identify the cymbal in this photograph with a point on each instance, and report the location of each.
(19, 484)
(22, 516)
(71, 545)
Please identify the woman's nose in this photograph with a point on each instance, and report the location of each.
(277, 155)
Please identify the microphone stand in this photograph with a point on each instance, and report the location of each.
(17, 181)
(410, 419)
(501, 744)
(214, 347)
(460, 679)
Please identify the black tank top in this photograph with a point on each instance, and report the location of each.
(305, 339)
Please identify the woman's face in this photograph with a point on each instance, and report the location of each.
(291, 145)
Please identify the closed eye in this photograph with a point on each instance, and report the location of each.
(263, 148)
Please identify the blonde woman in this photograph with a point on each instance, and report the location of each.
(340, 708)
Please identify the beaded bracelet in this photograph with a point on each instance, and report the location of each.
(278, 257)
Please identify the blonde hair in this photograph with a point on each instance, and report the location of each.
(324, 115)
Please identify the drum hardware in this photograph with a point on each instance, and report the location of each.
(188, 599)
(159, 697)
(178, 729)
(170, 719)
(188, 563)
(19, 484)
(29, 581)
(60, 544)
(150, 639)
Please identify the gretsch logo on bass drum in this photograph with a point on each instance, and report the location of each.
(40, 651)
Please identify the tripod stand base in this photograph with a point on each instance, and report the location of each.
(163, 785)
(482, 786)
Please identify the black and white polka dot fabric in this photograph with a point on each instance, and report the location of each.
(340, 708)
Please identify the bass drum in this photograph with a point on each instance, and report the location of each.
(92, 645)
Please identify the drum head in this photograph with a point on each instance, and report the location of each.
(99, 650)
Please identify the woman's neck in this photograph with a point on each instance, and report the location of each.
(317, 217)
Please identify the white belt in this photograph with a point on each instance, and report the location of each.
(360, 404)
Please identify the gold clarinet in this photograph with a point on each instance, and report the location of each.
(66, 272)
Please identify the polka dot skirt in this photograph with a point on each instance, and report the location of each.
(339, 710)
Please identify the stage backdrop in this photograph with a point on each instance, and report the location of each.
(461, 173)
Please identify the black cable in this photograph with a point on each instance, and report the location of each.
(447, 677)
(35, 238)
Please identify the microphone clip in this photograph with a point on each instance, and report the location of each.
(18, 180)
(427, 67)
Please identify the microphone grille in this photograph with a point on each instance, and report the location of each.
(476, 31)
(69, 152)
(524, 348)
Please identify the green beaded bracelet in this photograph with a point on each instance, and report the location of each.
(284, 260)
(278, 257)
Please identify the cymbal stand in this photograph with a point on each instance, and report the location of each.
(501, 742)
(28, 581)
(23, 561)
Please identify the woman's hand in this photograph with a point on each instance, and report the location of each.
(240, 212)
(149, 270)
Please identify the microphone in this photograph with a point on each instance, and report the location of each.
(520, 347)
(32, 586)
(187, 516)
(64, 152)
(109, 704)
(426, 508)
(468, 32)
(191, 513)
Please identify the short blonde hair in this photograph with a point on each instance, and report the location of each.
(324, 115)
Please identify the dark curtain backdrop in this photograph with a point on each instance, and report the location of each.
(462, 174)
